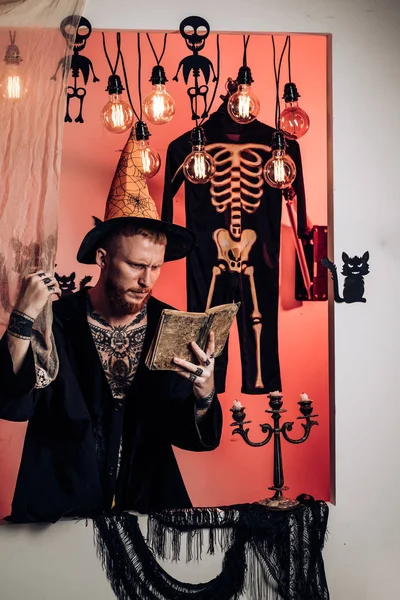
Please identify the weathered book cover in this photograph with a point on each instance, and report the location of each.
(177, 329)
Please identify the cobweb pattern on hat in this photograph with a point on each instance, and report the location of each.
(129, 195)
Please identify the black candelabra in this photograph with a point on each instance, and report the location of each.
(278, 500)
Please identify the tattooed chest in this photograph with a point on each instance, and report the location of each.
(119, 349)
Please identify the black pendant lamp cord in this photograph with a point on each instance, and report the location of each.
(112, 69)
(245, 44)
(216, 83)
(195, 108)
(289, 61)
(127, 85)
(140, 76)
(277, 73)
(158, 60)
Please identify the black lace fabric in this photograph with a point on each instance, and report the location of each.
(269, 555)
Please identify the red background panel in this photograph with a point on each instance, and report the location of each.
(234, 472)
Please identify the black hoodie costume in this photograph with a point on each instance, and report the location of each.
(203, 219)
(68, 465)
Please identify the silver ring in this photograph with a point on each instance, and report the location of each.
(207, 362)
(192, 377)
(198, 372)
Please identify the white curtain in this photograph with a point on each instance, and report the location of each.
(30, 162)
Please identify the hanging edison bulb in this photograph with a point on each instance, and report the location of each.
(149, 160)
(294, 121)
(243, 105)
(159, 106)
(280, 170)
(199, 166)
(116, 115)
(12, 85)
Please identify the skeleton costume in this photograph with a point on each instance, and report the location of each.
(237, 220)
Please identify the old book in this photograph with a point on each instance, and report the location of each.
(177, 329)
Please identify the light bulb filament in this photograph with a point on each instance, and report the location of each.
(294, 121)
(199, 166)
(158, 107)
(13, 86)
(117, 115)
(244, 105)
(146, 162)
(279, 170)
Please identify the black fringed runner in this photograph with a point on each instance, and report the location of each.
(135, 574)
(268, 555)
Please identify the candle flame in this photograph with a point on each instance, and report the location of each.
(237, 405)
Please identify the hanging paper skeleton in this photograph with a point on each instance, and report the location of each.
(195, 31)
(79, 64)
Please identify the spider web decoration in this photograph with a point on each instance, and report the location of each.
(129, 195)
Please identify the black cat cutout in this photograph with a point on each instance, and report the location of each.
(354, 270)
(67, 283)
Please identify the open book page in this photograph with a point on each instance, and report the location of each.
(220, 322)
(176, 331)
(173, 338)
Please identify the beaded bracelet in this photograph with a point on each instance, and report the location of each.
(20, 325)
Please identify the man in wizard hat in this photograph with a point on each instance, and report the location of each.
(100, 434)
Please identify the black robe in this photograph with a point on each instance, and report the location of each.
(68, 465)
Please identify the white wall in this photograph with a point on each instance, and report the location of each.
(59, 562)
(363, 550)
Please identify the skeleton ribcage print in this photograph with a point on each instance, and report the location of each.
(238, 182)
(238, 185)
